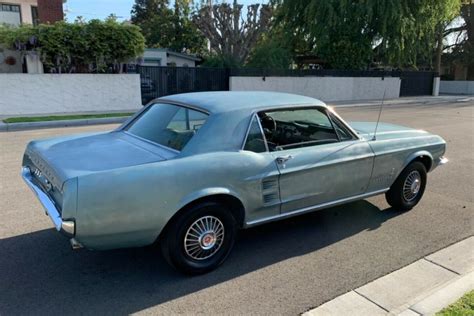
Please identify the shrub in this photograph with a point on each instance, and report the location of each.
(220, 61)
(94, 46)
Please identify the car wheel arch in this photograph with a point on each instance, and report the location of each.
(423, 156)
(236, 207)
(425, 160)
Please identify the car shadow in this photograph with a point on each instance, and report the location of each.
(39, 273)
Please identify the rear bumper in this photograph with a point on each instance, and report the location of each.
(67, 227)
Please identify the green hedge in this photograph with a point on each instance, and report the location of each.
(84, 47)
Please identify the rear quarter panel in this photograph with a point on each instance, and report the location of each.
(130, 206)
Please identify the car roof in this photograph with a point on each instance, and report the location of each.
(227, 101)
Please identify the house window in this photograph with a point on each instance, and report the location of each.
(34, 15)
(10, 14)
(151, 62)
(10, 8)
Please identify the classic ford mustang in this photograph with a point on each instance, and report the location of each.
(189, 170)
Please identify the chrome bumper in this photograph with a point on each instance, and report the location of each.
(442, 161)
(66, 227)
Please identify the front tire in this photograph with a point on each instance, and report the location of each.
(408, 188)
(200, 239)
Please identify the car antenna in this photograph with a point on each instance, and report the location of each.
(380, 113)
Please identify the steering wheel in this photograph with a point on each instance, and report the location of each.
(268, 124)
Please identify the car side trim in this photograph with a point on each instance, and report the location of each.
(314, 208)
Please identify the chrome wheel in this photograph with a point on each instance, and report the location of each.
(412, 186)
(204, 238)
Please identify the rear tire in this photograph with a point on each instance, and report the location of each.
(200, 239)
(408, 188)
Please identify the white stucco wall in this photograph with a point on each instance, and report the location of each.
(25, 94)
(323, 88)
(436, 81)
(456, 87)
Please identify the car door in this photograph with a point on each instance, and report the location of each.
(318, 158)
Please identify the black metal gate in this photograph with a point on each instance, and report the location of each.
(158, 81)
(416, 83)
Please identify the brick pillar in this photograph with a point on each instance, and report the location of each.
(50, 11)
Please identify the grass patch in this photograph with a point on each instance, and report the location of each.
(26, 119)
(462, 307)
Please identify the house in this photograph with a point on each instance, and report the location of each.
(166, 57)
(453, 70)
(16, 12)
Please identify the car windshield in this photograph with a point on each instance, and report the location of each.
(169, 125)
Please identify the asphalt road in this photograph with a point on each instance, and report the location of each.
(285, 268)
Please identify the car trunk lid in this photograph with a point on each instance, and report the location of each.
(63, 158)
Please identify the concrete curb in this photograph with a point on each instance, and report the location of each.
(421, 288)
(10, 127)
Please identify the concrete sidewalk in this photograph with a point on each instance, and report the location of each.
(421, 288)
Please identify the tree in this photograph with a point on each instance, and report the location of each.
(462, 50)
(230, 34)
(164, 27)
(270, 53)
(467, 13)
(345, 32)
(143, 10)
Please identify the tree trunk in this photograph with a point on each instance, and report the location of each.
(439, 48)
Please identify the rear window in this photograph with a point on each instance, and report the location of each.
(168, 125)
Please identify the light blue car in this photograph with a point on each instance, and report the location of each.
(189, 170)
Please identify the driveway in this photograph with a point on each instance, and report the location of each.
(286, 267)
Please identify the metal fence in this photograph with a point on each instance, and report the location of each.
(414, 83)
(161, 81)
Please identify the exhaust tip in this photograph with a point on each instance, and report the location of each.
(75, 245)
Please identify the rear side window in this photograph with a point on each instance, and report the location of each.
(168, 125)
(255, 141)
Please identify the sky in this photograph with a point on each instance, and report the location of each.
(100, 9)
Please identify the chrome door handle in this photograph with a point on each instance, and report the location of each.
(282, 159)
